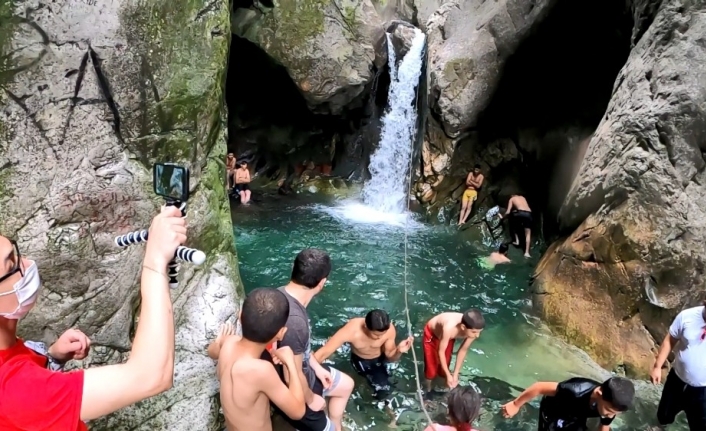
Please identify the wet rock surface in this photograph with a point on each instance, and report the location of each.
(329, 48)
(92, 94)
(637, 256)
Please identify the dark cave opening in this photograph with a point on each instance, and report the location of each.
(551, 97)
(271, 125)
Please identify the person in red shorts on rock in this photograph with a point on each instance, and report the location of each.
(37, 398)
(440, 335)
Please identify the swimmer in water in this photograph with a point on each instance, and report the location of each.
(500, 256)
(372, 341)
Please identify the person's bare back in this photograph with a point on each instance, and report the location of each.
(245, 406)
(520, 203)
(496, 258)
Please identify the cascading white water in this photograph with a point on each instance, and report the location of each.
(386, 191)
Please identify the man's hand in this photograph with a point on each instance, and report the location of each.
(451, 382)
(284, 355)
(225, 330)
(405, 345)
(325, 377)
(167, 232)
(510, 409)
(656, 376)
(73, 344)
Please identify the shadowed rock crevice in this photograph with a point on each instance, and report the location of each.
(551, 94)
(271, 125)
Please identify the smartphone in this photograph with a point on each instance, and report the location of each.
(171, 181)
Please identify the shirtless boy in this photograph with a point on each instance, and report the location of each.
(474, 181)
(521, 219)
(248, 383)
(230, 170)
(242, 182)
(440, 335)
(372, 341)
(500, 256)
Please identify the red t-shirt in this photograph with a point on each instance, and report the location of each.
(34, 398)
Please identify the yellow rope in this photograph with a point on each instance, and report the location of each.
(420, 393)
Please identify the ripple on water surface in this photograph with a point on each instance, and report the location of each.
(443, 274)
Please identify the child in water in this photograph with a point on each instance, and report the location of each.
(464, 408)
(500, 256)
(440, 335)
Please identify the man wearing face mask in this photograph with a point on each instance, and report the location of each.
(37, 398)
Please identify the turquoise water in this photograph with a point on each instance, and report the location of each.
(444, 273)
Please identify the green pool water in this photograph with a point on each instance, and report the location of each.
(444, 273)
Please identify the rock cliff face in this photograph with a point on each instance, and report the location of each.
(328, 47)
(637, 256)
(92, 93)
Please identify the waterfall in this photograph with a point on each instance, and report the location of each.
(387, 189)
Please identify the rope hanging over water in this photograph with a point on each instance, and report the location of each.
(420, 394)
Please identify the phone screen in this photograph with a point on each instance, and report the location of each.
(171, 181)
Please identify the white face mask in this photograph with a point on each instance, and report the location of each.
(27, 290)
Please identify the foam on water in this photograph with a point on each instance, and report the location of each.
(356, 212)
(388, 190)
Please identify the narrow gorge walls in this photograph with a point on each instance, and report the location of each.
(636, 256)
(517, 92)
(91, 94)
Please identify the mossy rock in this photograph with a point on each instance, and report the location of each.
(327, 47)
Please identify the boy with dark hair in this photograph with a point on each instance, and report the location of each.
(309, 274)
(248, 383)
(372, 341)
(568, 404)
(440, 335)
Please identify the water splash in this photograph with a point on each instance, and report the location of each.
(387, 189)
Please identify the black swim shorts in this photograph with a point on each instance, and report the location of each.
(523, 219)
(375, 371)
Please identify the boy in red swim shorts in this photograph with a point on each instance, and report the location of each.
(440, 335)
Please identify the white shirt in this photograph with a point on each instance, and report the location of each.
(690, 362)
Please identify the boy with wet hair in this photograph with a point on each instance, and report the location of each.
(248, 383)
(567, 405)
(440, 335)
(463, 409)
(372, 341)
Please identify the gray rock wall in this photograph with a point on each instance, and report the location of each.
(638, 255)
(91, 94)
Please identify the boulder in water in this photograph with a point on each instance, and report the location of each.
(93, 94)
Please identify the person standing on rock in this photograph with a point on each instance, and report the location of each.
(685, 388)
(474, 181)
(36, 398)
(521, 220)
(309, 274)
